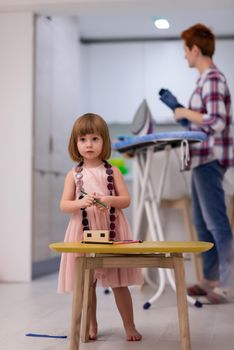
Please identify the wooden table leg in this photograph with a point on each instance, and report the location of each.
(77, 303)
(87, 304)
(182, 305)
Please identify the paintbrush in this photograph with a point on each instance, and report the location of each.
(96, 200)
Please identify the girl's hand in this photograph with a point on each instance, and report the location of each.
(105, 200)
(86, 201)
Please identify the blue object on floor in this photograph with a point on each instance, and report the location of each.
(198, 303)
(147, 305)
(45, 335)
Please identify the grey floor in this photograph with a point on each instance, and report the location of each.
(36, 307)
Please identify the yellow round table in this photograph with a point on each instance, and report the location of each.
(160, 254)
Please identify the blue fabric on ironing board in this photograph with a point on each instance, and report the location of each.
(130, 143)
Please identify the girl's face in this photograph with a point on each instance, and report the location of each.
(90, 146)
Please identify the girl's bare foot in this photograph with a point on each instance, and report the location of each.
(93, 332)
(132, 334)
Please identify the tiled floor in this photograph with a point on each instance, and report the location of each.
(36, 307)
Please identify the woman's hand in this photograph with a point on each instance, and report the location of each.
(179, 113)
(192, 116)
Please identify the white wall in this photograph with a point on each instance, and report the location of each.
(16, 91)
(121, 75)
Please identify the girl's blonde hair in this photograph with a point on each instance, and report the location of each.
(89, 123)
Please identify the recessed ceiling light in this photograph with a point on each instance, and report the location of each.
(161, 23)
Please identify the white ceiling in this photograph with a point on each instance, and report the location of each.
(142, 26)
(118, 19)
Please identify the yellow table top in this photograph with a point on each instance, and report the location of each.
(133, 248)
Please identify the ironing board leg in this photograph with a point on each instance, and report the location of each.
(182, 302)
(77, 303)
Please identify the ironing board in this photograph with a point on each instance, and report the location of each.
(145, 197)
(147, 254)
(159, 140)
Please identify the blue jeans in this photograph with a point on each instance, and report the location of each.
(211, 221)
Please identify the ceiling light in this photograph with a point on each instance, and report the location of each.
(161, 23)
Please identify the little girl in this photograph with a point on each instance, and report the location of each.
(90, 147)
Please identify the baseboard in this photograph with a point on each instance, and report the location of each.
(45, 267)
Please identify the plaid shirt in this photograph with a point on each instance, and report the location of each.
(212, 98)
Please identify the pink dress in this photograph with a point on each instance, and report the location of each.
(95, 180)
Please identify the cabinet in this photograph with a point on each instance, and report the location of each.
(56, 108)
